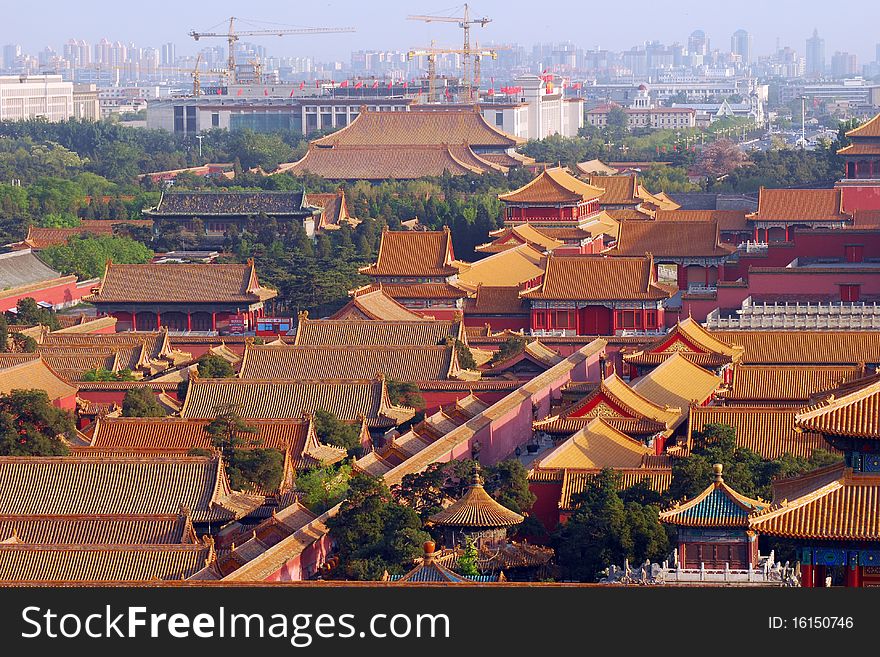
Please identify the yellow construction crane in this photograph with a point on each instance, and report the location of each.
(432, 52)
(464, 22)
(232, 36)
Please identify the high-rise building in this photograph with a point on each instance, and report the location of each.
(815, 54)
(844, 64)
(11, 52)
(698, 43)
(36, 96)
(741, 44)
(78, 52)
(169, 54)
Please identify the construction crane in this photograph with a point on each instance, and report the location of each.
(464, 22)
(232, 36)
(432, 52)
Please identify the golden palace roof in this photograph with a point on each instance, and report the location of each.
(41, 238)
(511, 268)
(384, 162)
(598, 445)
(374, 305)
(82, 529)
(418, 291)
(353, 333)
(476, 509)
(791, 205)
(829, 504)
(169, 435)
(868, 129)
(412, 128)
(426, 253)
(101, 563)
(34, 374)
(598, 278)
(623, 190)
(616, 398)
(805, 347)
(553, 186)
(691, 340)
(855, 414)
(348, 400)
(495, 300)
(120, 485)
(181, 283)
(670, 239)
(717, 506)
(786, 383)
(727, 220)
(677, 382)
(398, 363)
(768, 431)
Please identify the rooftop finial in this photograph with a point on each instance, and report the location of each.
(717, 469)
(429, 550)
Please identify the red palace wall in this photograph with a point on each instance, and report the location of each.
(114, 396)
(305, 563)
(434, 313)
(861, 198)
(437, 398)
(63, 291)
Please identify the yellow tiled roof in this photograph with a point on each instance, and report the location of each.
(670, 239)
(509, 268)
(855, 413)
(374, 305)
(598, 445)
(421, 332)
(598, 278)
(35, 374)
(554, 185)
(805, 347)
(787, 383)
(102, 529)
(414, 253)
(476, 509)
(799, 205)
(677, 383)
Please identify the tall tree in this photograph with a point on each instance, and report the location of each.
(374, 533)
(31, 426)
(142, 402)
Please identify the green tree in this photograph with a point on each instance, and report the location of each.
(212, 366)
(374, 533)
(333, 431)
(247, 464)
(604, 530)
(508, 482)
(402, 393)
(512, 346)
(322, 488)
(29, 313)
(141, 402)
(465, 356)
(467, 562)
(87, 255)
(103, 374)
(424, 491)
(31, 426)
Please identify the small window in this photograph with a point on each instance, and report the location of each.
(215, 120)
(499, 118)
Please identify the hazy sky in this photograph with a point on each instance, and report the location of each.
(853, 25)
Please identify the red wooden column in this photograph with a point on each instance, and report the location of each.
(853, 572)
(158, 320)
(819, 575)
(134, 321)
(756, 233)
(189, 322)
(213, 321)
(806, 575)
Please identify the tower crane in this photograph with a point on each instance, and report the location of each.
(464, 22)
(232, 36)
(432, 52)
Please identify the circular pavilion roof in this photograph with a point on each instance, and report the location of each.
(476, 509)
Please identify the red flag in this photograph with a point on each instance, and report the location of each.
(219, 91)
(491, 92)
(404, 84)
(344, 83)
(240, 91)
(317, 84)
(302, 85)
(389, 84)
(375, 84)
(265, 92)
(358, 84)
(291, 92)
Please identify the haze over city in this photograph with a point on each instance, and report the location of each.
(384, 25)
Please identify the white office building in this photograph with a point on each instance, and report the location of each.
(35, 96)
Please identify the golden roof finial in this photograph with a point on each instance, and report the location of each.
(717, 471)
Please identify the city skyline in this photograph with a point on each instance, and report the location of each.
(786, 22)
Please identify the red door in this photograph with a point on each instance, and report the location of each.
(595, 320)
